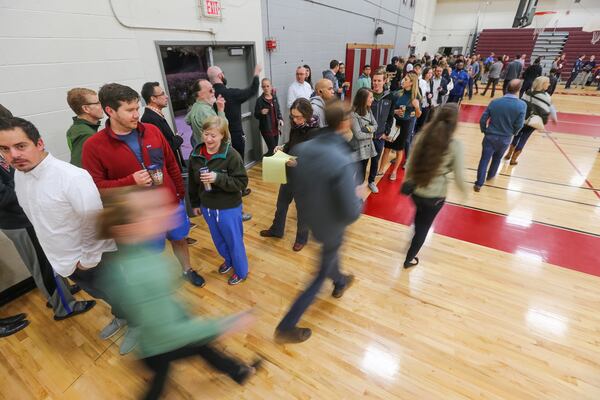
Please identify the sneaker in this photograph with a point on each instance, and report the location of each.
(112, 328)
(294, 335)
(246, 217)
(224, 268)
(393, 176)
(79, 308)
(246, 192)
(338, 291)
(234, 280)
(195, 278)
(373, 187)
(129, 341)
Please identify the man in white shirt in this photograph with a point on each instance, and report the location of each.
(299, 88)
(62, 202)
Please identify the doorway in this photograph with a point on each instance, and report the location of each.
(184, 63)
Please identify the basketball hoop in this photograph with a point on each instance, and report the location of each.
(542, 20)
(594, 27)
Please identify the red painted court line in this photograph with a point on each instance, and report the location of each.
(531, 240)
(587, 182)
(579, 124)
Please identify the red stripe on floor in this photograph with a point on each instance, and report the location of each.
(531, 240)
(579, 124)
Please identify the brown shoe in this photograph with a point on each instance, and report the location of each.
(476, 188)
(513, 160)
(338, 291)
(510, 152)
(298, 246)
(294, 335)
(269, 233)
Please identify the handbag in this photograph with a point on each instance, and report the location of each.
(394, 133)
(177, 141)
(535, 121)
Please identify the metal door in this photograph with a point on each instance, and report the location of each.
(237, 63)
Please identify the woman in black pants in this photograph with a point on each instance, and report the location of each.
(434, 156)
(268, 114)
(304, 126)
(364, 125)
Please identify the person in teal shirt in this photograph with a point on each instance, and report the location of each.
(364, 80)
(144, 284)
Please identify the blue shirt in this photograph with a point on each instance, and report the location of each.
(132, 140)
(505, 115)
(404, 99)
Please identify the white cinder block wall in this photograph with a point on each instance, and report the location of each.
(453, 21)
(48, 47)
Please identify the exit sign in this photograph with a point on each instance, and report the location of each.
(211, 8)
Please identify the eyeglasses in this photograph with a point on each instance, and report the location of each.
(91, 104)
(159, 94)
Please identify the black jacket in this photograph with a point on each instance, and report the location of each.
(300, 134)
(233, 102)
(383, 110)
(264, 121)
(532, 72)
(12, 215)
(151, 117)
(324, 186)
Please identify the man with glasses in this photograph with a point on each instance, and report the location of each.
(86, 106)
(299, 88)
(156, 100)
(204, 94)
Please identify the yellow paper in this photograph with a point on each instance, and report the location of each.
(273, 168)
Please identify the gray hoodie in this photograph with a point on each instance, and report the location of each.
(318, 105)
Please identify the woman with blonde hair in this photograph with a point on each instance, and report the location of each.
(407, 108)
(539, 103)
(217, 178)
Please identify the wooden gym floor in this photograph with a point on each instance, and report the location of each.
(504, 313)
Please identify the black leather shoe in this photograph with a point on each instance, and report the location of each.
(12, 320)
(7, 330)
(74, 289)
(80, 308)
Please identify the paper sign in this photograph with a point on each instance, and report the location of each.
(273, 168)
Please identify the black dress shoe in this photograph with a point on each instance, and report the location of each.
(80, 308)
(7, 330)
(246, 372)
(12, 320)
(74, 289)
(294, 335)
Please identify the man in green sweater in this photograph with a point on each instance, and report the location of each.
(204, 94)
(86, 106)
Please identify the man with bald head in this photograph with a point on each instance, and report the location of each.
(502, 119)
(233, 104)
(299, 88)
(323, 94)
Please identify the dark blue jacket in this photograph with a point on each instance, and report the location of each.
(324, 186)
(460, 80)
(504, 116)
(383, 110)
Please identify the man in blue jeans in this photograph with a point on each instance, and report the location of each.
(502, 119)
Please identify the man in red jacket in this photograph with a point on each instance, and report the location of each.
(123, 153)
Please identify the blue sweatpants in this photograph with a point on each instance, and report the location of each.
(227, 231)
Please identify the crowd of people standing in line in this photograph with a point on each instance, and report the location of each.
(50, 208)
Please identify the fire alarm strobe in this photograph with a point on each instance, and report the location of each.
(271, 44)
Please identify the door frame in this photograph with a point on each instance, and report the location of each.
(208, 43)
